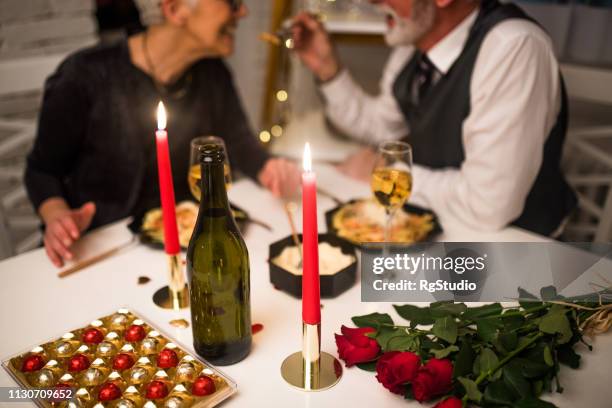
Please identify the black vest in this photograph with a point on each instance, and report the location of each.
(436, 125)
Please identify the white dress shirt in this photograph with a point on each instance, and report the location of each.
(515, 98)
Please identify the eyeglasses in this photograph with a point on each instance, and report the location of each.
(235, 4)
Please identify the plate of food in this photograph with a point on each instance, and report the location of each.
(362, 221)
(151, 229)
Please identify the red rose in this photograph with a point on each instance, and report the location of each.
(452, 402)
(433, 379)
(395, 368)
(355, 347)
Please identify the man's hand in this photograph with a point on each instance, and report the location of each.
(63, 226)
(314, 47)
(281, 177)
(359, 165)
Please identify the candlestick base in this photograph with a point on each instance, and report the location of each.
(176, 295)
(164, 298)
(295, 372)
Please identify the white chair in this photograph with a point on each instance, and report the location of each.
(17, 77)
(588, 157)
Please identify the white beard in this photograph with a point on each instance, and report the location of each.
(407, 31)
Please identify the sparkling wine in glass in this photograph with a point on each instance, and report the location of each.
(195, 173)
(392, 179)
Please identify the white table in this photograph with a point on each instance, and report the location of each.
(37, 306)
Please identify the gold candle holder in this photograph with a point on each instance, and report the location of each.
(311, 369)
(176, 294)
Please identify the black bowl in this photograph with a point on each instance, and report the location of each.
(409, 208)
(330, 286)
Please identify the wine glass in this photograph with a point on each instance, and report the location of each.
(195, 173)
(392, 179)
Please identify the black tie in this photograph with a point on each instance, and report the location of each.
(423, 78)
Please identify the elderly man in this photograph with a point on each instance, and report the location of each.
(475, 88)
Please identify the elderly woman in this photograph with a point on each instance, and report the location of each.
(94, 162)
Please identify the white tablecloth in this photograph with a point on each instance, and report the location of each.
(37, 306)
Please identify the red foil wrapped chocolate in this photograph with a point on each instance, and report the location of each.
(78, 362)
(157, 390)
(135, 333)
(123, 361)
(167, 358)
(92, 336)
(203, 386)
(32, 363)
(109, 391)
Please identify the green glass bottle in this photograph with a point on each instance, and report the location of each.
(218, 271)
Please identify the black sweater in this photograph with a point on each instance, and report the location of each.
(96, 132)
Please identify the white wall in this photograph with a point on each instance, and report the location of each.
(249, 61)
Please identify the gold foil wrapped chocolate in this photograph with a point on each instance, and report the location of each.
(106, 349)
(125, 403)
(91, 377)
(43, 378)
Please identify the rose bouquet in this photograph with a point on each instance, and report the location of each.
(488, 356)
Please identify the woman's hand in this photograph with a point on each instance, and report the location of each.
(314, 47)
(281, 177)
(63, 226)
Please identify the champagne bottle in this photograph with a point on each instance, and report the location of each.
(218, 271)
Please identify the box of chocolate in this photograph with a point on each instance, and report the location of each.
(118, 361)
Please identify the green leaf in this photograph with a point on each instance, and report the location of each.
(555, 321)
(367, 366)
(533, 403)
(465, 331)
(445, 328)
(479, 312)
(415, 315)
(537, 387)
(505, 343)
(487, 328)
(568, 357)
(384, 334)
(548, 358)
(549, 293)
(485, 362)
(374, 320)
(408, 394)
(447, 308)
(427, 343)
(508, 340)
(527, 299)
(523, 340)
(514, 379)
(402, 343)
(530, 368)
(441, 353)
(498, 393)
(471, 389)
(464, 360)
(512, 322)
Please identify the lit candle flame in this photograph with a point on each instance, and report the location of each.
(307, 161)
(161, 116)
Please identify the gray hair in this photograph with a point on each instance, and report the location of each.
(151, 13)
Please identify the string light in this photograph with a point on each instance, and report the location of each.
(264, 136)
(276, 130)
(282, 95)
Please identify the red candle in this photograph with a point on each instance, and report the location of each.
(311, 300)
(166, 186)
